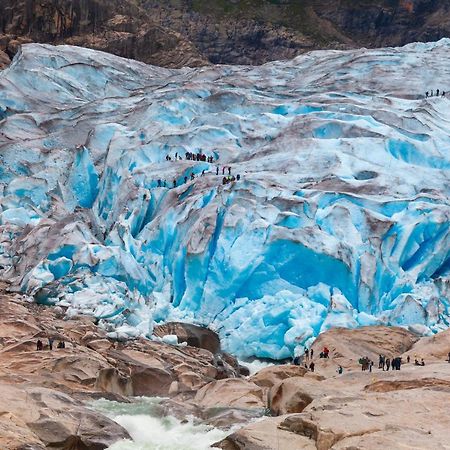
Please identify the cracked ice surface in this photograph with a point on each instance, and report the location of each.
(341, 216)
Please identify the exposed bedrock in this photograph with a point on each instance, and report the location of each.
(359, 409)
(182, 32)
(46, 394)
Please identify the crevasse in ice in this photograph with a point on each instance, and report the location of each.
(340, 218)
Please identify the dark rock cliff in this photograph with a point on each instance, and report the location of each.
(174, 33)
(116, 26)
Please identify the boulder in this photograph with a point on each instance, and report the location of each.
(151, 381)
(188, 380)
(110, 380)
(38, 417)
(269, 376)
(265, 435)
(193, 335)
(293, 395)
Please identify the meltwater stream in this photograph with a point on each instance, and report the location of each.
(150, 430)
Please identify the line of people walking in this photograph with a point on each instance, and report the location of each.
(225, 180)
(436, 93)
(385, 363)
(191, 157)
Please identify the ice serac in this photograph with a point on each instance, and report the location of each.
(341, 216)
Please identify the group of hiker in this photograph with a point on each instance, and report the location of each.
(385, 363)
(191, 157)
(40, 344)
(436, 93)
(307, 358)
(198, 157)
(225, 180)
(366, 363)
(230, 179)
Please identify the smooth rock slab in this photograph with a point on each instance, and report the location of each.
(43, 416)
(269, 376)
(231, 392)
(265, 435)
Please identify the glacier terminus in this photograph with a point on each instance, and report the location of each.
(341, 215)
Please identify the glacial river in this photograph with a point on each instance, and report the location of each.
(149, 430)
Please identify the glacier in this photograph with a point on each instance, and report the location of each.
(341, 215)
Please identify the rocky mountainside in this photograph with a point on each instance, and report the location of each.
(257, 31)
(174, 33)
(115, 26)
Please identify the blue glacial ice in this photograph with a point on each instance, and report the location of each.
(341, 216)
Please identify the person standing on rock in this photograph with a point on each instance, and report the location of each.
(312, 366)
(381, 362)
(311, 353)
(50, 343)
(340, 370)
(388, 364)
(39, 345)
(449, 357)
(408, 359)
(306, 353)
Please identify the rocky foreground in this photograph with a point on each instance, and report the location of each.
(406, 409)
(46, 394)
